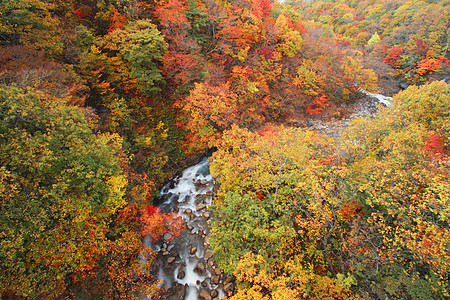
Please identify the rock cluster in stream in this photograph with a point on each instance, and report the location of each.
(196, 234)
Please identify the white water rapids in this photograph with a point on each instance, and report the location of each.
(186, 259)
(385, 100)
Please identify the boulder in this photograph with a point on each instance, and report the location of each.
(164, 198)
(189, 227)
(172, 184)
(199, 185)
(214, 293)
(228, 288)
(182, 272)
(204, 295)
(200, 197)
(166, 253)
(170, 247)
(193, 250)
(211, 261)
(175, 198)
(200, 206)
(200, 269)
(205, 282)
(230, 278)
(215, 279)
(208, 254)
(170, 260)
(188, 211)
(206, 215)
(176, 292)
(167, 236)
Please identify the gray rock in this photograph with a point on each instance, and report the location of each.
(403, 85)
(167, 236)
(170, 247)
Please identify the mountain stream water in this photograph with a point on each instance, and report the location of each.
(186, 264)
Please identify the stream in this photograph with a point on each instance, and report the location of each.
(187, 269)
(385, 100)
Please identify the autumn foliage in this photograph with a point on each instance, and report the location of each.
(156, 224)
(101, 102)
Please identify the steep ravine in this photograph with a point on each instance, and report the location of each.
(187, 269)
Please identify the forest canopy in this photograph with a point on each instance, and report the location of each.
(101, 102)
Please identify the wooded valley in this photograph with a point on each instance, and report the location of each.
(102, 102)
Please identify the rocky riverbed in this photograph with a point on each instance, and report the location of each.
(186, 263)
(366, 107)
